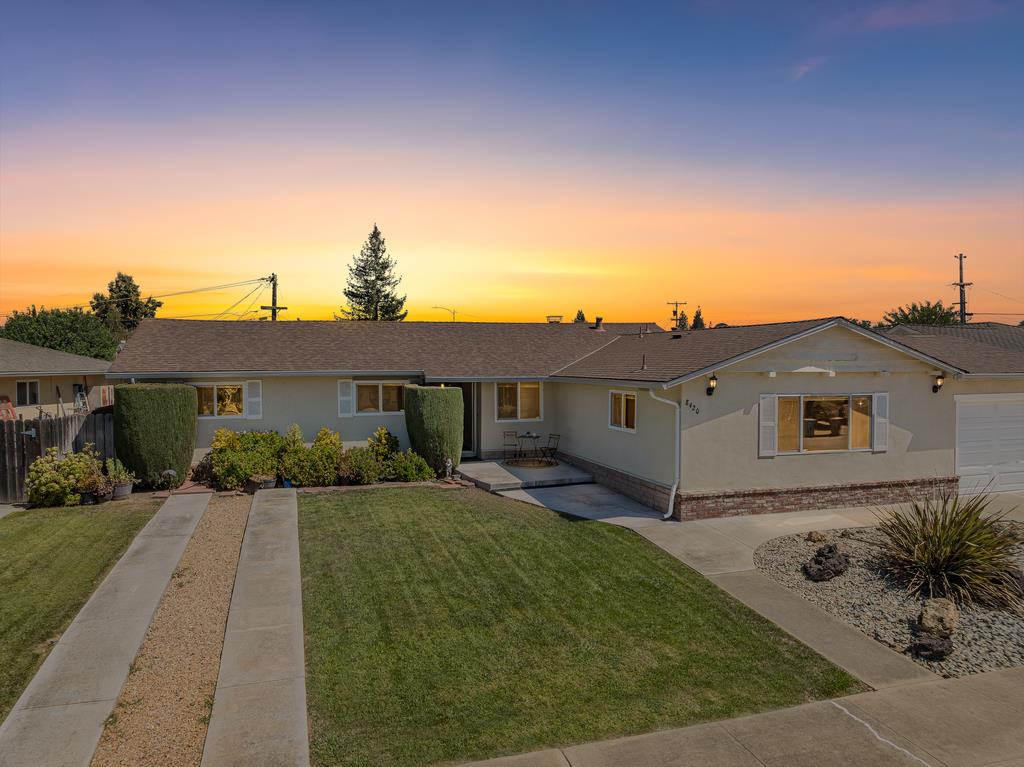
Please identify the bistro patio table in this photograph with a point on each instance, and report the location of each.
(529, 436)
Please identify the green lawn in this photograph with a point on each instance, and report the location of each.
(454, 625)
(51, 560)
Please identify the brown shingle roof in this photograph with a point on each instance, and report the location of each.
(17, 358)
(661, 357)
(984, 347)
(435, 349)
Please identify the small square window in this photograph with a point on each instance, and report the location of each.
(28, 393)
(392, 397)
(368, 398)
(622, 411)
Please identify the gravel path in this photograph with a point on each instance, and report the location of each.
(875, 604)
(161, 716)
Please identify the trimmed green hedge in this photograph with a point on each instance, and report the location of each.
(155, 430)
(433, 418)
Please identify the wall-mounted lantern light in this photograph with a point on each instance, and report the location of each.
(712, 385)
(939, 380)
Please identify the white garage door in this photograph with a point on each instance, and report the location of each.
(990, 442)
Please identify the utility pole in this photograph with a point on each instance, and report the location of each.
(963, 290)
(675, 312)
(273, 308)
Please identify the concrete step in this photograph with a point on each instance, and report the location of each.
(496, 477)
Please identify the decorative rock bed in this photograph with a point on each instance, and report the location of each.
(869, 599)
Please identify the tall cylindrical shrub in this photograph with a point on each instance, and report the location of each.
(433, 418)
(155, 430)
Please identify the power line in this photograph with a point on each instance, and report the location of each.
(240, 300)
(1001, 295)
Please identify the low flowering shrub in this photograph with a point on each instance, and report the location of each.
(360, 466)
(383, 444)
(313, 466)
(407, 467)
(237, 456)
(56, 481)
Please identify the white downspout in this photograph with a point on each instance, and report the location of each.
(678, 437)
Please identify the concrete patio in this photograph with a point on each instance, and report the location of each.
(498, 476)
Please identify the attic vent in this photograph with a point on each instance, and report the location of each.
(554, 319)
(677, 335)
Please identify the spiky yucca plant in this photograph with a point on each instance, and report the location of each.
(947, 546)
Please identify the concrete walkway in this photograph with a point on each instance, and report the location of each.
(723, 550)
(59, 718)
(259, 710)
(966, 722)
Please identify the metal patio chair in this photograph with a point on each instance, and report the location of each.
(549, 450)
(510, 444)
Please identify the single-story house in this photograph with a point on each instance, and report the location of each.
(36, 380)
(740, 419)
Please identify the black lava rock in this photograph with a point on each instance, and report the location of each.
(827, 563)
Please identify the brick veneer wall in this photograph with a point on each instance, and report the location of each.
(731, 503)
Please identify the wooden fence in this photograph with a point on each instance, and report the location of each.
(24, 440)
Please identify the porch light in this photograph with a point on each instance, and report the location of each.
(712, 384)
(939, 380)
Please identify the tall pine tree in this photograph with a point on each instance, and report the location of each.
(698, 320)
(683, 322)
(370, 290)
(580, 316)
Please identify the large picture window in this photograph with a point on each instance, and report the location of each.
(519, 401)
(622, 410)
(810, 423)
(379, 397)
(221, 400)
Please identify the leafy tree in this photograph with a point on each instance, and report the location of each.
(370, 290)
(698, 320)
(863, 323)
(66, 330)
(925, 313)
(683, 322)
(122, 308)
(580, 316)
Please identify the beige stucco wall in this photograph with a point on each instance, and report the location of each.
(309, 401)
(720, 443)
(48, 386)
(581, 417)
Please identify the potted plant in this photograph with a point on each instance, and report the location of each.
(260, 481)
(94, 488)
(123, 481)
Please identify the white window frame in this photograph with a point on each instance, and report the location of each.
(380, 398)
(611, 400)
(517, 419)
(800, 432)
(39, 392)
(215, 416)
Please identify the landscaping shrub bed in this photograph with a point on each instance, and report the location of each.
(248, 459)
(73, 479)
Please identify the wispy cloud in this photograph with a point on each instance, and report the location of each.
(806, 66)
(916, 13)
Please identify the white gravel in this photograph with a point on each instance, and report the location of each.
(869, 600)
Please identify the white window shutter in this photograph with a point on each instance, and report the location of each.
(768, 426)
(344, 398)
(254, 399)
(880, 432)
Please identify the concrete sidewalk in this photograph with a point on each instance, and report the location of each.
(723, 550)
(59, 718)
(965, 722)
(259, 710)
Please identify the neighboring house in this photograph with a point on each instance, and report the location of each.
(34, 379)
(734, 419)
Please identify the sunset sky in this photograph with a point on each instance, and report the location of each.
(766, 161)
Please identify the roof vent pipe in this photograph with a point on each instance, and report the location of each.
(599, 323)
(643, 364)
